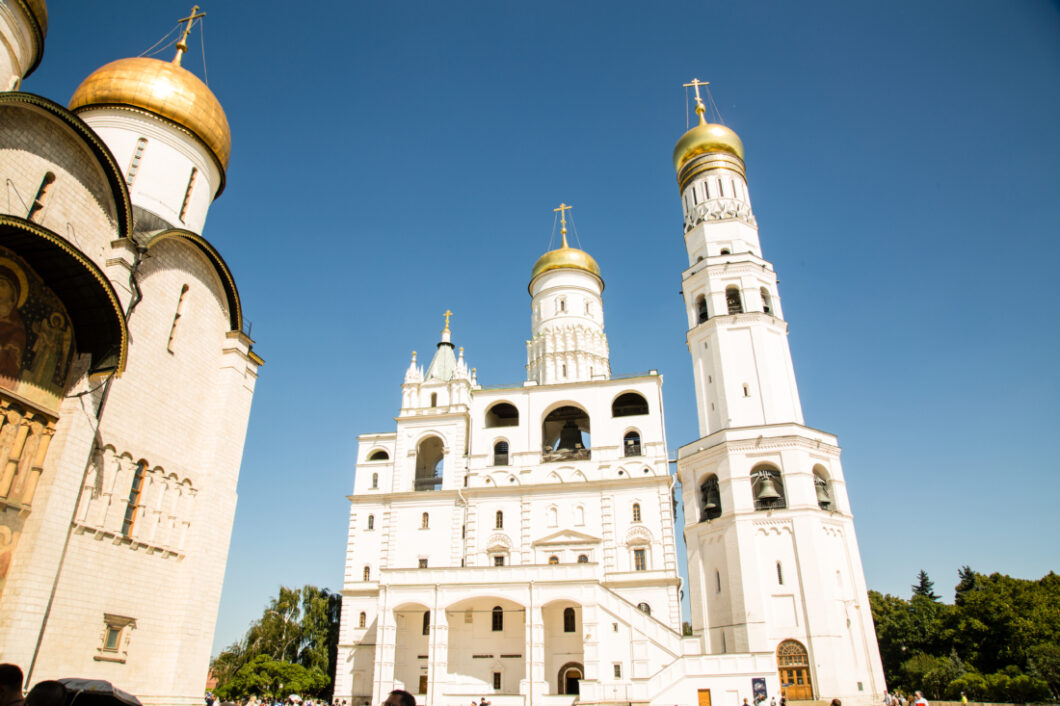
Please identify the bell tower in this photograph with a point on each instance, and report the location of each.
(772, 555)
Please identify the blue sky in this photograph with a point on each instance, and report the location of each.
(392, 160)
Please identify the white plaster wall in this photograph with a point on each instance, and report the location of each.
(17, 45)
(161, 180)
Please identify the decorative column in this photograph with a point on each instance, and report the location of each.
(437, 652)
(386, 633)
(534, 685)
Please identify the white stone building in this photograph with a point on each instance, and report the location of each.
(493, 550)
(126, 375)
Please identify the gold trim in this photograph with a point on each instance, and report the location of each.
(89, 265)
(122, 202)
(707, 162)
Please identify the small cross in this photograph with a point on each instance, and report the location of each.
(700, 108)
(563, 208)
(182, 45)
(447, 315)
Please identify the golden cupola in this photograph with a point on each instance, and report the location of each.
(162, 88)
(565, 257)
(706, 146)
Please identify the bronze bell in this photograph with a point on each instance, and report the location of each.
(823, 498)
(767, 490)
(570, 437)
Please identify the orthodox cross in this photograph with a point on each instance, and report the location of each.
(696, 83)
(447, 315)
(182, 45)
(563, 208)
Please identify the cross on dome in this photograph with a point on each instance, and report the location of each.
(700, 108)
(447, 314)
(182, 45)
(563, 208)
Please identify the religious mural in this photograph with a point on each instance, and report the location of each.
(36, 348)
(36, 338)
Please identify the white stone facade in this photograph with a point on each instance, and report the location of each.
(113, 562)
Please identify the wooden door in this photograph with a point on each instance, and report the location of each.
(704, 697)
(793, 664)
(423, 684)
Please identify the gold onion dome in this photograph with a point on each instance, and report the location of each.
(706, 137)
(565, 257)
(39, 10)
(165, 89)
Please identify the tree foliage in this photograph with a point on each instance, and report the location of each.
(998, 641)
(291, 648)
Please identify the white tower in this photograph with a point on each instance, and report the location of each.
(23, 26)
(772, 555)
(167, 132)
(568, 344)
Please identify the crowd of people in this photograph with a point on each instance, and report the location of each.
(43, 693)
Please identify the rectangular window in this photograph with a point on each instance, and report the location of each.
(618, 670)
(423, 563)
(110, 642)
(498, 560)
(116, 635)
(640, 560)
(497, 681)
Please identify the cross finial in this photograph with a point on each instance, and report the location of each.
(563, 208)
(182, 45)
(447, 315)
(700, 108)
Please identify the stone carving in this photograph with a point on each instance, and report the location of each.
(719, 210)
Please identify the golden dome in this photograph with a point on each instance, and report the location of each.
(706, 137)
(162, 88)
(39, 10)
(565, 257)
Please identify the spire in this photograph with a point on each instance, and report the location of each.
(182, 45)
(443, 364)
(700, 108)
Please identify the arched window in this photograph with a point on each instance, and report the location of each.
(794, 664)
(176, 317)
(710, 497)
(767, 301)
(565, 435)
(629, 404)
(367, 573)
(371, 522)
(644, 608)
(701, 308)
(500, 453)
(500, 520)
(636, 512)
(38, 201)
(583, 559)
(427, 623)
(134, 164)
(362, 620)
(375, 480)
(631, 444)
(498, 619)
(824, 492)
(187, 194)
(733, 299)
(502, 415)
(562, 305)
(568, 620)
(430, 455)
(767, 489)
(425, 520)
(379, 455)
(553, 560)
(133, 505)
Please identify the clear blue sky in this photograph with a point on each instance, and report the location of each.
(392, 160)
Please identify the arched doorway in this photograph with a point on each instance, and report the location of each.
(569, 676)
(793, 662)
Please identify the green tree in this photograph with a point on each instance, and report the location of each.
(264, 676)
(1043, 662)
(924, 586)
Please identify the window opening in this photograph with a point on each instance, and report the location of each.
(502, 415)
(824, 497)
(176, 317)
(425, 521)
(618, 670)
(134, 164)
(500, 520)
(632, 444)
(500, 453)
(644, 608)
(498, 560)
(710, 495)
(733, 300)
(565, 435)
(498, 619)
(780, 574)
(497, 681)
(362, 620)
(427, 622)
(767, 489)
(367, 573)
(629, 404)
(767, 301)
(38, 201)
(187, 194)
(746, 390)
(568, 620)
(134, 500)
(379, 455)
(423, 563)
(636, 512)
(371, 522)
(583, 559)
(375, 480)
(640, 560)
(701, 308)
(553, 560)
(434, 399)
(717, 581)
(429, 460)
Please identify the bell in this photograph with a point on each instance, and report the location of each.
(767, 490)
(570, 437)
(710, 505)
(823, 498)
